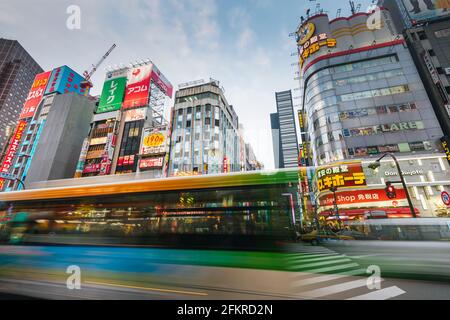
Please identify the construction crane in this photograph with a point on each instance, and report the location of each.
(88, 74)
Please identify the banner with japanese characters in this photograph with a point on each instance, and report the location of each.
(153, 141)
(138, 87)
(12, 149)
(113, 91)
(340, 175)
(35, 95)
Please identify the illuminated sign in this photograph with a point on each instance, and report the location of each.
(35, 95)
(309, 44)
(113, 91)
(65, 80)
(153, 141)
(358, 197)
(305, 33)
(138, 87)
(135, 114)
(149, 163)
(12, 149)
(341, 175)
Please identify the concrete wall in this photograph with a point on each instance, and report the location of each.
(60, 144)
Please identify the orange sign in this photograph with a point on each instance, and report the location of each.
(35, 95)
(154, 140)
(12, 149)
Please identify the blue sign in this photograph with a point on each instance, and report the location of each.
(65, 80)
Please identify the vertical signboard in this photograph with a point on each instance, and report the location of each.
(65, 80)
(12, 149)
(35, 95)
(113, 91)
(138, 87)
(82, 159)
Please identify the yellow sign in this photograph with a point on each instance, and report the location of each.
(341, 175)
(306, 32)
(154, 140)
(314, 44)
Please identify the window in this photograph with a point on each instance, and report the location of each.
(432, 53)
(440, 70)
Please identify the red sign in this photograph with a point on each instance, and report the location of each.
(445, 196)
(225, 165)
(138, 87)
(162, 82)
(35, 95)
(360, 196)
(151, 163)
(91, 168)
(12, 149)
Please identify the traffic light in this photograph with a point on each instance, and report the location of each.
(390, 191)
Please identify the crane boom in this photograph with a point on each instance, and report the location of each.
(88, 74)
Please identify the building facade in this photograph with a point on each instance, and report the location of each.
(128, 131)
(205, 131)
(362, 94)
(17, 72)
(427, 32)
(50, 131)
(284, 134)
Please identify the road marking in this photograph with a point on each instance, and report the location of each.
(317, 259)
(334, 268)
(324, 278)
(147, 288)
(323, 263)
(337, 288)
(382, 294)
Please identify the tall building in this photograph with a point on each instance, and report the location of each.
(426, 27)
(49, 135)
(284, 134)
(17, 72)
(362, 94)
(205, 131)
(128, 131)
(276, 140)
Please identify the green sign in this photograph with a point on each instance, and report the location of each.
(112, 95)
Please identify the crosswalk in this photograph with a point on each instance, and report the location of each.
(321, 273)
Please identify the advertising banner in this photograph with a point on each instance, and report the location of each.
(342, 175)
(82, 158)
(153, 141)
(65, 80)
(162, 82)
(35, 95)
(138, 87)
(361, 196)
(149, 163)
(113, 91)
(445, 142)
(426, 10)
(135, 114)
(12, 149)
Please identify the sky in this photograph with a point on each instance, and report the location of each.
(244, 44)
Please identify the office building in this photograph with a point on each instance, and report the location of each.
(284, 134)
(205, 131)
(17, 72)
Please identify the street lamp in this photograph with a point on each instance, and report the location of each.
(375, 165)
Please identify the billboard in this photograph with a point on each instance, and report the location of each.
(65, 80)
(150, 163)
(360, 197)
(113, 91)
(340, 175)
(426, 10)
(162, 82)
(35, 95)
(153, 141)
(138, 87)
(12, 149)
